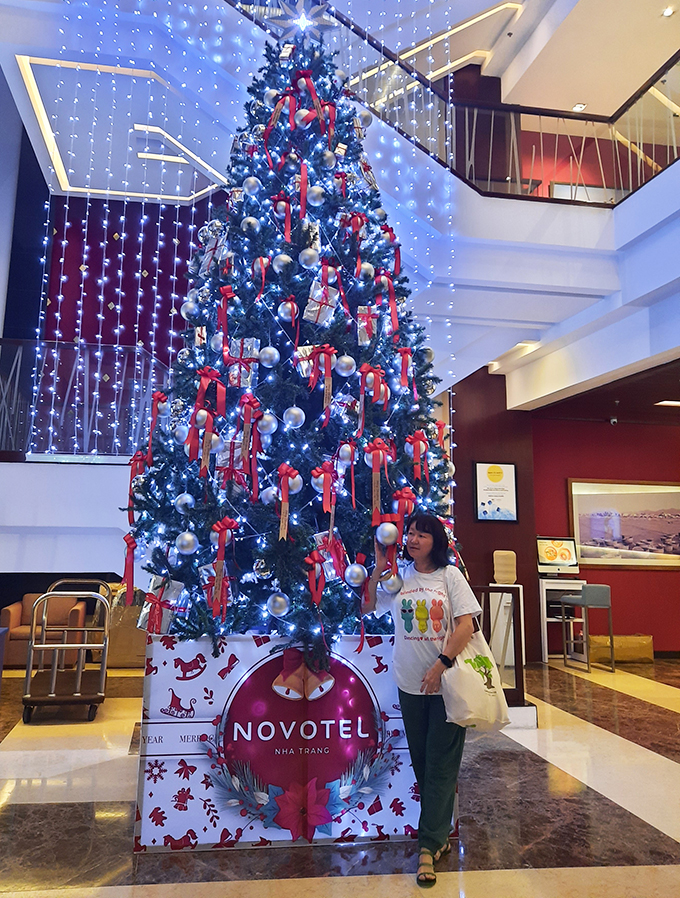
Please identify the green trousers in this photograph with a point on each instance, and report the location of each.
(436, 749)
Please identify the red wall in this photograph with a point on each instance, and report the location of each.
(643, 601)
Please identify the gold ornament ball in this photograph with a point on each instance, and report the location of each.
(278, 604)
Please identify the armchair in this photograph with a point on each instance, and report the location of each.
(65, 611)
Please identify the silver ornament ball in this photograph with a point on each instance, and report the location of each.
(300, 117)
(287, 310)
(189, 310)
(292, 161)
(316, 195)
(367, 271)
(355, 575)
(180, 434)
(345, 454)
(392, 585)
(269, 356)
(204, 235)
(281, 262)
(269, 495)
(250, 225)
(215, 538)
(278, 604)
(268, 423)
(308, 257)
(365, 118)
(252, 186)
(163, 409)
(184, 356)
(380, 213)
(345, 366)
(186, 543)
(317, 484)
(265, 441)
(295, 485)
(328, 159)
(270, 97)
(387, 534)
(294, 417)
(428, 354)
(201, 417)
(216, 342)
(184, 503)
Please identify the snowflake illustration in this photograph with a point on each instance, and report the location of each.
(155, 770)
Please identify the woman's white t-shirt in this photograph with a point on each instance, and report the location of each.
(421, 612)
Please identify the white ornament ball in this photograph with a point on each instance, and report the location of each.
(328, 159)
(269, 356)
(295, 485)
(215, 538)
(428, 354)
(281, 262)
(387, 534)
(316, 195)
(252, 186)
(250, 225)
(355, 575)
(345, 454)
(186, 543)
(184, 503)
(278, 604)
(180, 434)
(392, 585)
(301, 120)
(308, 257)
(287, 310)
(294, 417)
(367, 271)
(268, 423)
(365, 118)
(370, 380)
(216, 342)
(189, 310)
(345, 366)
(270, 97)
(201, 417)
(269, 495)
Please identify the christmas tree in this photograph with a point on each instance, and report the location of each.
(299, 417)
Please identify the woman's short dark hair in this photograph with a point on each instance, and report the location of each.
(429, 523)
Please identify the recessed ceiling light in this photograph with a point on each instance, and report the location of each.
(674, 403)
(668, 11)
(578, 107)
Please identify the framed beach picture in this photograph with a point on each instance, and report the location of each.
(495, 492)
(626, 524)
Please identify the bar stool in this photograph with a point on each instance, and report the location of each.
(592, 596)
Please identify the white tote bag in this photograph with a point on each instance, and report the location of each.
(472, 690)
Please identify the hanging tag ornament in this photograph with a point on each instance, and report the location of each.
(416, 447)
(288, 98)
(286, 474)
(323, 357)
(315, 576)
(406, 354)
(302, 80)
(383, 281)
(157, 398)
(227, 294)
(326, 478)
(376, 454)
(137, 466)
(283, 209)
(391, 238)
(220, 596)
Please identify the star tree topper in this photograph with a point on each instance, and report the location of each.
(290, 18)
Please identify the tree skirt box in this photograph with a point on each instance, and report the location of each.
(254, 748)
(127, 644)
(626, 648)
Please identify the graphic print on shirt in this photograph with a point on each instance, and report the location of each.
(407, 614)
(436, 615)
(422, 615)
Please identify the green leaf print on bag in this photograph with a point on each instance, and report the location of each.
(484, 667)
(407, 614)
(422, 615)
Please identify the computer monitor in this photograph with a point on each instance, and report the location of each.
(557, 556)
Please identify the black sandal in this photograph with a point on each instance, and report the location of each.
(426, 877)
(445, 849)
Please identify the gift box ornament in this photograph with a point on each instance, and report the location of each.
(321, 304)
(164, 600)
(367, 317)
(215, 252)
(335, 560)
(243, 357)
(229, 462)
(303, 360)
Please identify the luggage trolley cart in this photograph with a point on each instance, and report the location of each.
(56, 685)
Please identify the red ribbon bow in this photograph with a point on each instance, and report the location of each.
(420, 445)
(138, 465)
(230, 471)
(156, 398)
(341, 176)
(406, 502)
(392, 237)
(329, 112)
(406, 361)
(441, 428)
(223, 320)
(296, 317)
(276, 114)
(129, 575)
(316, 584)
(207, 376)
(306, 76)
(330, 477)
(286, 474)
(264, 265)
(282, 198)
(394, 317)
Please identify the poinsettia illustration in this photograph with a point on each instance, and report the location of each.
(302, 809)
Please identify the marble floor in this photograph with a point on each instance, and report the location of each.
(587, 805)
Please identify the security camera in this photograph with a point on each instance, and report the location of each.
(613, 421)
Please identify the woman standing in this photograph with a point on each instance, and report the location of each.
(433, 594)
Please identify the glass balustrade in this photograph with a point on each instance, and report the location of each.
(510, 150)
